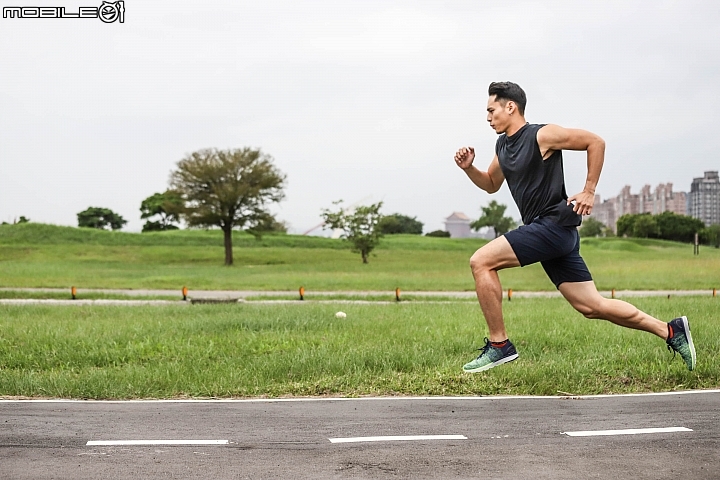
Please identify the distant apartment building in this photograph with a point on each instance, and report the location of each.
(605, 212)
(662, 199)
(704, 202)
(665, 200)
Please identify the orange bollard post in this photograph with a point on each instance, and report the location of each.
(302, 293)
(184, 293)
(73, 292)
(612, 293)
(397, 294)
(714, 292)
(509, 294)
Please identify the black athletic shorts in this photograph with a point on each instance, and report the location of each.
(557, 248)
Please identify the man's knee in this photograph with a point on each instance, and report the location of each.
(495, 255)
(479, 261)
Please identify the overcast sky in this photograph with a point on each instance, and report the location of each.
(355, 100)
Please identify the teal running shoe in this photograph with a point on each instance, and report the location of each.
(680, 341)
(491, 356)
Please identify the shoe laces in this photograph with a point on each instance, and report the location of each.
(485, 349)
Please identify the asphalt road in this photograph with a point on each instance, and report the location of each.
(506, 438)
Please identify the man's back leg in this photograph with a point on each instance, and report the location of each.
(585, 298)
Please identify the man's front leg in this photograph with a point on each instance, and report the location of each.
(485, 263)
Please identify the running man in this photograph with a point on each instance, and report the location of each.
(529, 157)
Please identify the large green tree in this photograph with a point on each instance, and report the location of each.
(680, 228)
(228, 189)
(624, 224)
(494, 216)
(645, 226)
(102, 218)
(359, 226)
(166, 207)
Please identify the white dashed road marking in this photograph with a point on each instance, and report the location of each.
(109, 443)
(629, 431)
(394, 438)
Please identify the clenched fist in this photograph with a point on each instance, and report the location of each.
(464, 157)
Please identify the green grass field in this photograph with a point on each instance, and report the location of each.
(36, 255)
(248, 350)
(302, 349)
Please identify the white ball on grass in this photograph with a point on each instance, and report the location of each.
(340, 315)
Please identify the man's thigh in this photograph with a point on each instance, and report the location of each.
(495, 255)
(570, 268)
(541, 241)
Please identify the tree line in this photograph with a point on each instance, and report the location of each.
(667, 226)
(233, 189)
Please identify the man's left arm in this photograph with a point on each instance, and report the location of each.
(554, 137)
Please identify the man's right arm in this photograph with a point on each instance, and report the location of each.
(490, 181)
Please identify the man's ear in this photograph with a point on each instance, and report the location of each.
(510, 106)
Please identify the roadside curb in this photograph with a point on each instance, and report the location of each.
(348, 399)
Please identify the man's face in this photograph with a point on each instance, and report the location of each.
(499, 114)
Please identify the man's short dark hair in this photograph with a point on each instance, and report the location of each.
(509, 91)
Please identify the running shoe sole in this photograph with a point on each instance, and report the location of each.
(688, 335)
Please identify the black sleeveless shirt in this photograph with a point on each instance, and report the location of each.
(537, 185)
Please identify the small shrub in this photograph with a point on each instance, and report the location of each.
(438, 233)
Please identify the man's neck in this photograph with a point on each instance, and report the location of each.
(516, 125)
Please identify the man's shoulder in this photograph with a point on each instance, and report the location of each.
(530, 130)
(535, 129)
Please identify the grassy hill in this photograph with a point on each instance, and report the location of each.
(37, 255)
